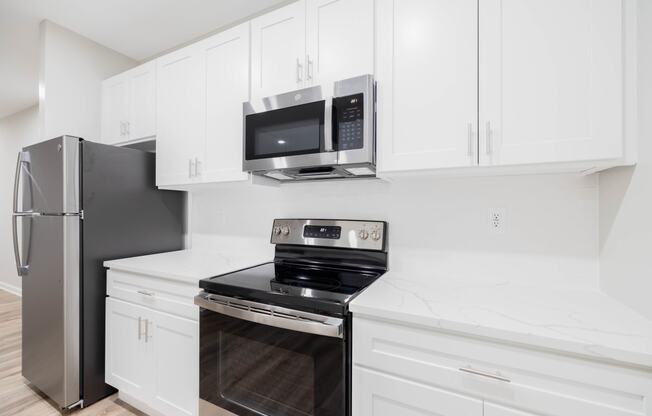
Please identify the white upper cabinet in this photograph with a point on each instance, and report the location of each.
(201, 89)
(115, 109)
(142, 102)
(339, 40)
(495, 410)
(427, 84)
(278, 43)
(226, 60)
(311, 42)
(551, 81)
(129, 105)
(180, 116)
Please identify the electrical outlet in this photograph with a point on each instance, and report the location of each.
(497, 220)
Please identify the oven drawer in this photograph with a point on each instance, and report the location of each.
(166, 295)
(532, 380)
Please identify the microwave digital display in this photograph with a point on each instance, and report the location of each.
(322, 231)
(348, 134)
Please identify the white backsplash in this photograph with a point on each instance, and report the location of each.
(437, 226)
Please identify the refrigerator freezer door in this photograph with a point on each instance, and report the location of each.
(50, 307)
(47, 177)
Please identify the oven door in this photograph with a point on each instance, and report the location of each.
(260, 360)
(290, 130)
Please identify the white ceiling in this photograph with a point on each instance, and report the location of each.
(137, 28)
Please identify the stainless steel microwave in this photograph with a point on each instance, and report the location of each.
(313, 134)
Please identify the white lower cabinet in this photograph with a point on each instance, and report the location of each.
(152, 357)
(400, 369)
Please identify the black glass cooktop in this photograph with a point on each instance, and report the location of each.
(319, 289)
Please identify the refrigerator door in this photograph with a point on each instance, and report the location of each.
(50, 306)
(47, 177)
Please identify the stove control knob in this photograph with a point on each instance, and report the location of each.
(375, 235)
(363, 234)
(277, 230)
(285, 230)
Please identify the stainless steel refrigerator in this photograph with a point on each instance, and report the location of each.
(77, 204)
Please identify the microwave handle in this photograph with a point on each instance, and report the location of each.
(329, 123)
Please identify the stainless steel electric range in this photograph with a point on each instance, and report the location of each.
(275, 339)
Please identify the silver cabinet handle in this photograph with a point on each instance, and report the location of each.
(497, 377)
(146, 292)
(488, 138)
(191, 166)
(197, 167)
(471, 144)
(299, 71)
(127, 128)
(147, 337)
(140, 324)
(308, 68)
(122, 129)
(273, 316)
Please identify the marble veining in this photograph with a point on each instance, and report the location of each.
(574, 320)
(193, 265)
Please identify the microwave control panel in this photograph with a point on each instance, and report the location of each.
(349, 115)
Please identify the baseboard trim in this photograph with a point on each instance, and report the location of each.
(16, 290)
(138, 404)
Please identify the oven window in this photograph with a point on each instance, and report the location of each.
(285, 132)
(251, 369)
(278, 381)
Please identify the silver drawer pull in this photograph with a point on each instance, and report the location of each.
(146, 293)
(492, 376)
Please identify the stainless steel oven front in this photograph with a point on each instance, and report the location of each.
(312, 128)
(263, 360)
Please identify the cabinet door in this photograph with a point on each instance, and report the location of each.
(495, 410)
(226, 58)
(427, 84)
(550, 80)
(142, 120)
(127, 362)
(180, 116)
(377, 394)
(174, 346)
(278, 46)
(115, 109)
(340, 40)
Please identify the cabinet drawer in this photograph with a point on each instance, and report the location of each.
(544, 382)
(176, 298)
(377, 394)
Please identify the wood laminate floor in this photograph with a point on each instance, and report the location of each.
(16, 397)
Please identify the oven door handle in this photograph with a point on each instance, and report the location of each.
(272, 315)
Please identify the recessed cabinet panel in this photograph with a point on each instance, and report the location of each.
(278, 43)
(377, 394)
(227, 88)
(115, 109)
(180, 116)
(340, 40)
(175, 350)
(143, 102)
(427, 84)
(127, 367)
(551, 81)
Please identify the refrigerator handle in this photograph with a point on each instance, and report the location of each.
(20, 267)
(23, 159)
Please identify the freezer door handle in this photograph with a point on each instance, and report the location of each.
(23, 159)
(21, 268)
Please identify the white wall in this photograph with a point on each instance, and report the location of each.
(15, 131)
(626, 198)
(551, 235)
(71, 71)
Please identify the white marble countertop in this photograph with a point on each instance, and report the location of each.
(577, 321)
(191, 265)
